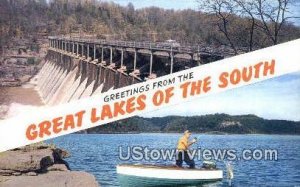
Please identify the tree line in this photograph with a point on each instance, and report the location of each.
(214, 123)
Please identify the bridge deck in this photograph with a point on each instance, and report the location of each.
(157, 46)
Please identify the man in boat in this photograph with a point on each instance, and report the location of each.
(182, 150)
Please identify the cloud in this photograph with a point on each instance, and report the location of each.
(277, 98)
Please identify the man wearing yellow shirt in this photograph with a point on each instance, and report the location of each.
(182, 150)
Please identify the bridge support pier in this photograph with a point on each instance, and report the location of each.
(122, 57)
(77, 46)
(102, 54)
(94, 58)
(87, 52)
(198, 60)
(151, 63)
(111, 55)
(172, 62)
(135, 59)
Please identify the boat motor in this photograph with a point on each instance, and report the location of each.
(209, 165)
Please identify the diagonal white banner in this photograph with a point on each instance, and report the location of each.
(50, 122)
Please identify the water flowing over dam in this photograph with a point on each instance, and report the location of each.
(77, 68)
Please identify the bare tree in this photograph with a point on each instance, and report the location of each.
(273, 15)
(266, 18)
(247, 9)
(223, 10)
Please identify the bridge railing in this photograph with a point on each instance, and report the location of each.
(146, 45)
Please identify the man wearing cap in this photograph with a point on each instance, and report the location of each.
(182, 150)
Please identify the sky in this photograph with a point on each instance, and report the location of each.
(277, 98)
(189, 4)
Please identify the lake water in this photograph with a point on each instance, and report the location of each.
(99, 155)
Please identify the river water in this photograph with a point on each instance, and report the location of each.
(22, 95)
(17, 98)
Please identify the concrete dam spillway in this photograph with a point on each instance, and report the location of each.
(77, 68)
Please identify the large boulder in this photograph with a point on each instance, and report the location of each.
(50, 179)
(40, 165)
(25, 161)
(58, 167)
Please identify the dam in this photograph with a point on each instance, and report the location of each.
(75, 68)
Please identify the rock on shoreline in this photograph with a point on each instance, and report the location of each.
(40, 166)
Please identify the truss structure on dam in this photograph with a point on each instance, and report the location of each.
(76, 68)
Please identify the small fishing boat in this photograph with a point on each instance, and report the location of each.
(153, 175)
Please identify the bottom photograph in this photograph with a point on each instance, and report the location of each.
(243, 137)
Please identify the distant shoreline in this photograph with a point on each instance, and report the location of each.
(209, 124)
(132, 133)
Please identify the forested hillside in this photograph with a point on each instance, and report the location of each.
(216, 123)
(40, 18)
(234, 26)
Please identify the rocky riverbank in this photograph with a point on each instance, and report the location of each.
(21, 60)
(40, 166)
(14, 71)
